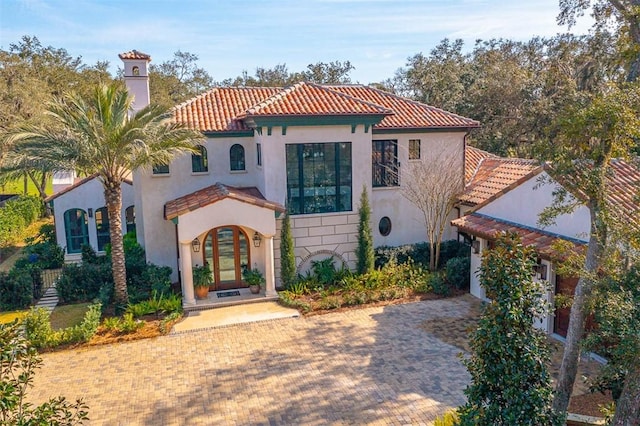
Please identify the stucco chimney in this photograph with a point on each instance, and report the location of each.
(136, 77)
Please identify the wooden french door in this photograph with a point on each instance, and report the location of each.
(226, 250)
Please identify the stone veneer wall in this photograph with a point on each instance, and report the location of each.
(325, 235)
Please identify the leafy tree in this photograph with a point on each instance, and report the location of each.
(366, 258)
(589, 136)
(19, 363)
(617, 313)
(623, 14)
(334, 72)
(287, 256)
(510, 383)
(177, 80)
(96, 135)
(433, 186)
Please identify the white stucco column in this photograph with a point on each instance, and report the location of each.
(269, 272)
(187, 275)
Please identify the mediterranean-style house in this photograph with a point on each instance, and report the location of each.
(508, 195)
(309, 147)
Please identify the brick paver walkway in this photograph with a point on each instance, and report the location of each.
(363, 366)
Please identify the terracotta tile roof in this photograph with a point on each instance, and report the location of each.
(407, 113)
(218, 109)
(76, 184)
(624, 193)
(488, 228)
(215, 193)
(134, 54)
(222, 109)
(472, 158)
(495, 176)
(313, 99)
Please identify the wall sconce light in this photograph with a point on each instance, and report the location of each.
(257, 239)
(541, 271)
(90, 212)
(475, 245)
(195, 245)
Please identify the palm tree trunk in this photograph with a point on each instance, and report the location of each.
(628, 406)
(577, 318)
(113, 198)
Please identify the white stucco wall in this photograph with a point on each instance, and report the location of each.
(329, 232)
(88, 195)
(524, 204)
(407, 222)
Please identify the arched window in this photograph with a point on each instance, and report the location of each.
(199, 162)
(102, 227)
(136, 71)
(76, 231)
(236, 157)
(130, 217)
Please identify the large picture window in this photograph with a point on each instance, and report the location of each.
(75, 226)
(385, 163)
(102, 228)
(319, 177)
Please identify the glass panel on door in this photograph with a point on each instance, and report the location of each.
(226, 255)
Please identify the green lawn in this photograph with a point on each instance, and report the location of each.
(68, 315)
(17, 187)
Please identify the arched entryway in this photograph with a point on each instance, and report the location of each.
(226, 250)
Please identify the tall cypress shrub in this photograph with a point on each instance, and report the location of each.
(510, 383)
(365, 236)
(287, 256)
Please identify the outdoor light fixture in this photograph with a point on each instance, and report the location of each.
(475, 244)
(195, 245)
(257, 239)
(90, 212)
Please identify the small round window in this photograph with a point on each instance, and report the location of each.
(384, 226)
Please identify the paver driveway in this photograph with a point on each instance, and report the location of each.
(363, 366)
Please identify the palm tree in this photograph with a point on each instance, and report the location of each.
(97, 135)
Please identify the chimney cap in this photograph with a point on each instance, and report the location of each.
(134, 54)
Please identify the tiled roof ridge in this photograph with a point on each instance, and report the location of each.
(431, 107)
(291, 89)
(195, 98)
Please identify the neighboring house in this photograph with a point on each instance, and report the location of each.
(81, 218)
(309, 147)
(508, 195)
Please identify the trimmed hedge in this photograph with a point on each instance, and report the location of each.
(458, 270)
(16, 289)
(16, 215)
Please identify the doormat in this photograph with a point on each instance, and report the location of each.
(228, 293)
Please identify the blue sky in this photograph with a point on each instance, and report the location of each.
(230, 36)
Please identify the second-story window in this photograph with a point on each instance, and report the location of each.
(414, 149)
(236, 157)
(199, 161)
(385, 163)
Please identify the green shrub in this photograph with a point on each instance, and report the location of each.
(330, 302)
(43, 250)
(158, 304)
(16, 215)
(458, 272)
(16, 289)
(168, 320)
(450, 418)
(126, 325)
(439, 284)
(20, 361)
(38, 329)
(287, 256)
(364, 249)
(453, 248)
(288, 299)
(82, 283)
